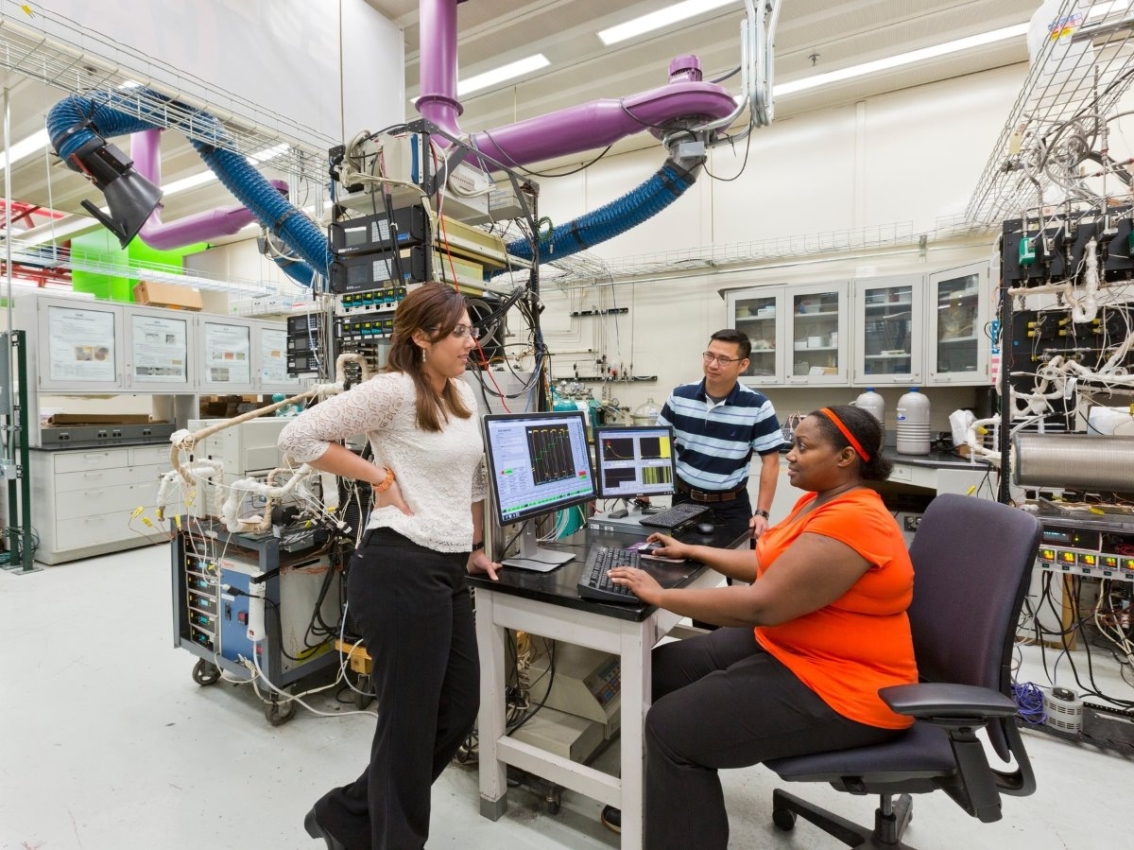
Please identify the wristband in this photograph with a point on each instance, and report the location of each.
(386, 482)
(477, 546)
(763, 513)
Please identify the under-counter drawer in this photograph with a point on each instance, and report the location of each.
(93, 479)
(122, 498)
(85, 461)
(99, 529)
(142, 455)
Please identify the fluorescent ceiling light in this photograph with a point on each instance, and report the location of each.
(58, 231)
(130, 84)
(661, 18)
(187, 183)
(24, 148)
(503, 73)
(913, 57)
(268, 153)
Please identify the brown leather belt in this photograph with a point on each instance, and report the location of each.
(705, 496)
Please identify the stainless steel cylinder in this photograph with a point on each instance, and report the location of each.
(1074, 461)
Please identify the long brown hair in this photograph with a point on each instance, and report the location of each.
(434, 309)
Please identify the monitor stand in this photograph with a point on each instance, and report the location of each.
(534, 557)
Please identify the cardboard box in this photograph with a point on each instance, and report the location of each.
(167, 295)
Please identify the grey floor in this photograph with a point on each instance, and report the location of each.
(106, 742)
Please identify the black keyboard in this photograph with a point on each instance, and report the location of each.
(676, 516)
(595, 582)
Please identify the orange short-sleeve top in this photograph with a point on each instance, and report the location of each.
(860, 642)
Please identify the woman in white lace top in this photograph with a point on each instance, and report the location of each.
(406, 590)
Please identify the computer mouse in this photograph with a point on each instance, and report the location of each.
(650, 548)
(705, 528)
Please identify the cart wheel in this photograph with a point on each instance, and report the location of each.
(278, 713)
(205, 673)
(784, 819)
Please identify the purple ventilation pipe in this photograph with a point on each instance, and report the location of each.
(202, 227)
(572, 130)
(437, 102)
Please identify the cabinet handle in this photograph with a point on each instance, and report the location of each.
(95, 456)
(92, 475)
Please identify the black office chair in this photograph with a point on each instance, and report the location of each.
(972, 560)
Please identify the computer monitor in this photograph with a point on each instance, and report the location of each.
(634, 461)
(538, 463)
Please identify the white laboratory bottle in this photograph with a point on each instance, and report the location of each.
(913, 423)
(872, 402)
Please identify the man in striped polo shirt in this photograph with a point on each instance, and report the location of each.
(717, 425)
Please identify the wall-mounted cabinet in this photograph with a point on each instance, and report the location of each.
(889, 331)
(758, 313)
(798, 334)
(73, 345)
(959, 343)
(908, 330)
(79, 346)
(159, 350)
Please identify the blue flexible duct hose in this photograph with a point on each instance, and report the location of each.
(76, 119)
(636, 206)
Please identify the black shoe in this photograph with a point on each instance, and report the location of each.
(316, 830)
(612, 819)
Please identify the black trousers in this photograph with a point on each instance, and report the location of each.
(721, 701)
(733, 514)
(412, 607)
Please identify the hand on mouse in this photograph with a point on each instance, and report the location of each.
(665, 547)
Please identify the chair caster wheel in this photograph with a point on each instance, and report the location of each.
(784, 819)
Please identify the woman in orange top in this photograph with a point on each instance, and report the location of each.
(821, 628)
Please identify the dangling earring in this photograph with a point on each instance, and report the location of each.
(424, 355)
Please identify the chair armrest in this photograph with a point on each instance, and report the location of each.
(945, 704)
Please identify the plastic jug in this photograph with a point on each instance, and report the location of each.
(646, 413)
(872, 402)
(913, 423)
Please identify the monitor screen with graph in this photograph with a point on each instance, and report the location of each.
(634, 461)
(538, 463)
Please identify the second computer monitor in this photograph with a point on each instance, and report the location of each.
(634, 461)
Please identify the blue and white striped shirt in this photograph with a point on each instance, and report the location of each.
(715, 442)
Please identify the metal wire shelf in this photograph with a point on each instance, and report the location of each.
(1082, 70)
(586, 268)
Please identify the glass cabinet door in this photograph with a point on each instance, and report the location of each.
(959, 345)
(888, 321)
(758, 313)
(817, 334)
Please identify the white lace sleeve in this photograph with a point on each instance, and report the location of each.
(367, 407)
(479, 484)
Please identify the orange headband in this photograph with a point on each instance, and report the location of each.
(830, 414)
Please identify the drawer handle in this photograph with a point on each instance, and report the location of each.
(98, 456)
(92, 475)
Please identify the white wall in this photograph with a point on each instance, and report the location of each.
(288, 59)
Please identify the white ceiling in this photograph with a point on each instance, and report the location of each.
(814, 36)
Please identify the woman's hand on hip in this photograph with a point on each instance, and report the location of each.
(392, 495)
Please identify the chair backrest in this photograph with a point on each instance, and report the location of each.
(972, 560)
